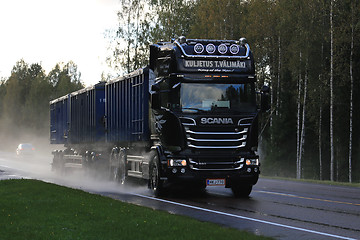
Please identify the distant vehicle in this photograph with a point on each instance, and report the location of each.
(25, 149)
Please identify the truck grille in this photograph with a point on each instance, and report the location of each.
(216, 137)
(220, 139)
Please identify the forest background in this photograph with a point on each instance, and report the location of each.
(307, 51)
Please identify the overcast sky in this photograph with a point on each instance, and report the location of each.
(52, 31)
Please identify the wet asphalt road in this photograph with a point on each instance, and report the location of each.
(276, 208)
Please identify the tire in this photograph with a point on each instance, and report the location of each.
(118, 168)
(112, 164)
(123, 173)
(155, 182)
(58, 162)
(241, 190)
(55, 163)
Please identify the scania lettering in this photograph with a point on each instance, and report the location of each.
(189, 118)
(216, 121)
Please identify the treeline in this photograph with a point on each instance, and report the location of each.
(308, 51)
(25, 96)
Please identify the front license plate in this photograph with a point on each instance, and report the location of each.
(215, 182)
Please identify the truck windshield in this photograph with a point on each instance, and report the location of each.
(209, 97)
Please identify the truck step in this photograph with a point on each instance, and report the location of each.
(73, 165)
(134, 158)
(135, 174)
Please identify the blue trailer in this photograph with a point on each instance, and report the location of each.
(190, 117)
(59, 114)
(127, 108)
(77, 121)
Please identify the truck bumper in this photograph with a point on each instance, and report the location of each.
(241, 168)
(247, 175)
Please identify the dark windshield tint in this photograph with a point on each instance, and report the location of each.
(217, 97)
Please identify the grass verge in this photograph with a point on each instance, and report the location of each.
(31, 209)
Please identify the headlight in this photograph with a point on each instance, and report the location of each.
(252, 162)
(177, 162)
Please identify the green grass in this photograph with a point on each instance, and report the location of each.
(332, 183)
(31, 209)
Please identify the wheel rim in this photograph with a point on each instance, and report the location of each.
(154, 177)
(121, 170)
(116, 173)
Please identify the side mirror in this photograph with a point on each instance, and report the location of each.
(155, 100)
(265, 105)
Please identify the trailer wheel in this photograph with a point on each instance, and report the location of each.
(241, 190)
(118, 170)
(155, 182)
(112, 165)
(58, 162)
(122, 173)
(55, 164)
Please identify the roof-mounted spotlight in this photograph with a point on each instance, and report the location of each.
(210, 48)
(199, 48)
(182, 39)
(234, 49)
(222, 48)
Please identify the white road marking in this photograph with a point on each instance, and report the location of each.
(246, 218)
(309, 198)
(276, 193)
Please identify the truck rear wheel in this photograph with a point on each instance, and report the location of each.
(155, 182)
(241, 190)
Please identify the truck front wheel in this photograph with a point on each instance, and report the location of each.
(155, 182)
(241, 190)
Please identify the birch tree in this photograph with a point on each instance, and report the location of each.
(298, 136)
(129, 45)
(331, 92)
(351, 92)
(320, 132)
(278, 77)
(320, 121)
(302, 137)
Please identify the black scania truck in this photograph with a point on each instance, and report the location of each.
(189, 118)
